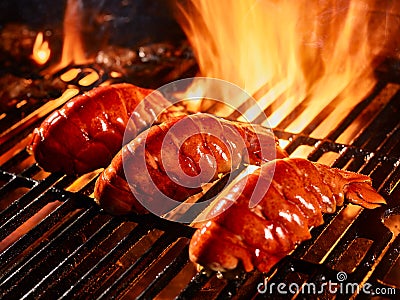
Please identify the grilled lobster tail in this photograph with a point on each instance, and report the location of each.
(88, 130)
(172, 160)
(260, 235)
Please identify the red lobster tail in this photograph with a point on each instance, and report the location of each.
(88, 130)
(193, 149)
(298, 195)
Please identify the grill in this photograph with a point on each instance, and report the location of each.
(56, 243)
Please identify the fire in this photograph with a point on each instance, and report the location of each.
(73, 50)
(41, 50)
(305, 53)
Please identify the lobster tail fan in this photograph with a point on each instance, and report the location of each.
(363, 194)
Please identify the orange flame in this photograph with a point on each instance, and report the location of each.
(41, 50)
(308, 52)
(73, 50)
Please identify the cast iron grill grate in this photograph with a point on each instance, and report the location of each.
(58, 243)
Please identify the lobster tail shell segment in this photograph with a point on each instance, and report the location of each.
(356, 188)
(89, 129)
(363, 194)
(299, 193)
(175, 159)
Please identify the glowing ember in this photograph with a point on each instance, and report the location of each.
(41, 50)
(307, 52)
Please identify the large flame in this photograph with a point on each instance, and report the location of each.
(287, 52)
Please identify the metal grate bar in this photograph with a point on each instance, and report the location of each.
(195, 285)
(133, 272)
(383, 268)
(169, 272)
(25, 207)
(85, 283)
(355, 112)
(36, 233)
(25, 274)
(123, 282)
(377, 131)
(11, 182)
(347, 120)
(15, 160)
(359, 229)
(51, 285)
(391, 146)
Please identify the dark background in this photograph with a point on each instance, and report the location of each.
(121, 22)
